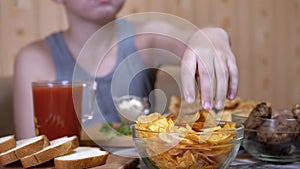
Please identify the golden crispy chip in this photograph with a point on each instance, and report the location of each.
(211, 129)
(231, 104)
(206, 158)
(187, 160)
(216, 151)
(174, 105)
(207, 118)
(169, 157)
(193, 136)
(202, 147)
(159, 125)
(198, 126)
(164, 161)
(169, 137)
(229, 126)
(185, 141)
(182, 131)
(187, 118)
(217, 138)
(149, 118)
(175, 152)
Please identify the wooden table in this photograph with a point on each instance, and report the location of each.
(112, 162)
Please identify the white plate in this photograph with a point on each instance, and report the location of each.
(93, 133)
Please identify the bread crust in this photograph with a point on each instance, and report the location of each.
(32, 148)
(8, 144)
(14, 155)
(8, 158)
(49, 154)
(81, 163)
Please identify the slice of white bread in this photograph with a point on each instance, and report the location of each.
(82, 157)
(7, 143)
(23, 148)
(56, 148)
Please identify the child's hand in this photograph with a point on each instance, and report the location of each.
(209, 56)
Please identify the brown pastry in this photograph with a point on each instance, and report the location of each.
(254, 120)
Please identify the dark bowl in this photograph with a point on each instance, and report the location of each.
(275, 140)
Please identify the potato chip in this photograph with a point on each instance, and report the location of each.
(169, 137)
(187, 118)
(148, 119)
(175, 152)
(206, 158)
(211, 129)
(229, 126)
(198, 126)
(214, 151)
(186, 160)
(208, 118)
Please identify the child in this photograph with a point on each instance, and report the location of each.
(54, 58)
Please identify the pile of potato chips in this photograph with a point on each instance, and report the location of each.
(188, 141)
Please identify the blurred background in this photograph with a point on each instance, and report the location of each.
(265, 37)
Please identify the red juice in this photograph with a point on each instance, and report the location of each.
(57, 108)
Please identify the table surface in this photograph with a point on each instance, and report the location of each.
(245, 161)
(242, 161)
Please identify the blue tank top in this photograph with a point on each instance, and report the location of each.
(141, 85)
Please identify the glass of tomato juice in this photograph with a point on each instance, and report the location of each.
(57, 108)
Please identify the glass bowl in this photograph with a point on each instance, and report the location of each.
(240, 116)
(276, 139)
(209, 149)
(130, 107)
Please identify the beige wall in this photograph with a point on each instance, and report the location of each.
(265, 37)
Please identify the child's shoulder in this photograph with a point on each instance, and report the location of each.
(34, 50)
